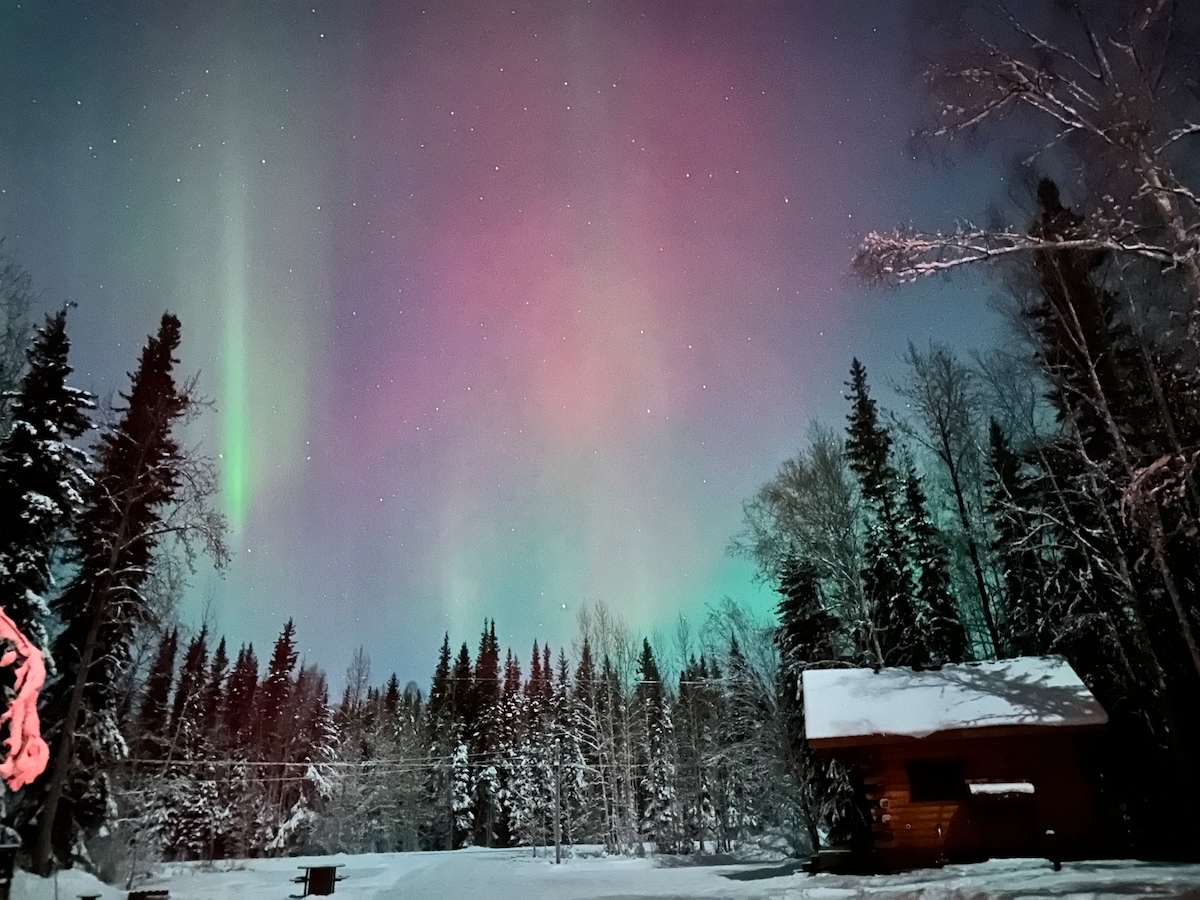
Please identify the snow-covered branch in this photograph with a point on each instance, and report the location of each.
(899, 256)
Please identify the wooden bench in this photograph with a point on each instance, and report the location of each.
(318, 881)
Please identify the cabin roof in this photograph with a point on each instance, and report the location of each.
(857, 707)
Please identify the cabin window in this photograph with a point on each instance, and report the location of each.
(931, 780)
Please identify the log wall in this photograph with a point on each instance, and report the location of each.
(909, 832)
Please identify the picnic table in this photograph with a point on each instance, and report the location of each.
(318, 880)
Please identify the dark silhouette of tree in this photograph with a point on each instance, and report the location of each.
(273, 694)
(152, 717)
(944, 637)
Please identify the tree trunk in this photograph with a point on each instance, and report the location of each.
(43, 848)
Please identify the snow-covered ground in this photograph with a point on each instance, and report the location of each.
(515, 875)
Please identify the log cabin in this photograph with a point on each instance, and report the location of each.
(963, 762)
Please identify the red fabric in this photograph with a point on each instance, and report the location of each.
(25, 753)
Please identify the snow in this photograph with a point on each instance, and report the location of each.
(515, 875)
(843, 705)
(1000, 787)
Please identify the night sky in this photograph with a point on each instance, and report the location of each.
(505, 307)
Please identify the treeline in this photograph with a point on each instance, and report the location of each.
(602, 747)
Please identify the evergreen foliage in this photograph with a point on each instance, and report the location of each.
(139, 472)
(42, 476)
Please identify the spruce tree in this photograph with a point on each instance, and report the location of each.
(485, 710)
(891, 634)
(660, 809)
(807, 632)
(943, 637)
(439, 690)
(139, 472)
(241, 695)
(42, 476)
(391, 697)
(534, 688)
(152, 717)
(186, 727)
(213, 695)
(272, 696)
(461, 704)
(512, 674)
(441, 738)
(486, 682)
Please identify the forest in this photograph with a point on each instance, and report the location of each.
(1039, 498)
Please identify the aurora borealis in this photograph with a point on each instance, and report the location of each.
(504, 307)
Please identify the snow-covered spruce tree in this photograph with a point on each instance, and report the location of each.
(145, 491)
(448, 726)
(890, 636)
(938, 617)
(508, 728)
(42, 476)
(661, 821)
(186, 729)
(462, 806)
(531, 799)
(182, 809)
(240, 695)
(212, 697)
(485, 699)
(807, 637)
(308, 748)
(440, 739)
(590, 781)
(184, 813)
(295, 733)
(695, 723)
(571, 775)
(272, 696)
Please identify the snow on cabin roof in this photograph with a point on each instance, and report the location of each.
(852, 707)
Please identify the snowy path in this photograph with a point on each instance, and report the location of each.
(514, 875)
